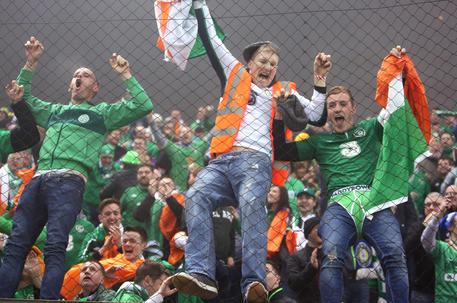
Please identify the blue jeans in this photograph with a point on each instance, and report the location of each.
(338, 232)
(52, 199)
(239, 179)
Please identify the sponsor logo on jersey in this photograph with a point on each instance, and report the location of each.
(350, 149)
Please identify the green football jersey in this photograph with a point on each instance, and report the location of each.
(445, 259)
(348, 158)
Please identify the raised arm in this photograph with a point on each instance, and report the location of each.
(40, 109)
(220, 57)
(315, 108)
(127, 111)
(26, 134)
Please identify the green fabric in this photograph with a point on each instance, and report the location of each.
(98, 177)
(130, 200)
(152, 149)
(152, 227)
(419, 184)
(199, 49)
(294, 186)
(98, 234)
(26, 293)
(131, 292)
(75, 133)
(75, 239)
(181, 156)
(445, 259)
(402, 143)
(6, 226)
(107, 149)
(353, 201)
(101, 295)
(5, 143)
(345, 159)
(356, 158)
(185, 298)
(206, 123)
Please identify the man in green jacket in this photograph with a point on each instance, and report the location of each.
(152, 283)
(75, 132)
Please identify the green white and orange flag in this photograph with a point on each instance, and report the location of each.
(178, 31)
(406, 121)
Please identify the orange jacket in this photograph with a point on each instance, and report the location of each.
(125, 271)
(231, 111)
(168, 222)
(176, 254)
(26, 175)
(276, 233)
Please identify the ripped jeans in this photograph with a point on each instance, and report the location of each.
(338, 232)
(239, 179)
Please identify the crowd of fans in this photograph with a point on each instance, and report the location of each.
(131, 235)
(118, 203)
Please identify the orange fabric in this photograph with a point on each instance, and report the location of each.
(26, 175)
(276, 233)
(291, 241)
(176, 254)
(126, 271)
(168, 222)
(40, 258)
(223, 143)
(165, 12)
(413, 87)
(112, 252)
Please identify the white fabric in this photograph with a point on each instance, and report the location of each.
(155, 298)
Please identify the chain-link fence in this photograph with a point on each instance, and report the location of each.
(142, 165)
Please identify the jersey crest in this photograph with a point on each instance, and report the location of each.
(350, 149)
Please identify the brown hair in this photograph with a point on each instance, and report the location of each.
(106, 202)
(340, 89)
(150, 268)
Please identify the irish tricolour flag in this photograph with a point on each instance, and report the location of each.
(406, 121)
(178, 31)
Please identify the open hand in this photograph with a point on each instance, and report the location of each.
(166, 288)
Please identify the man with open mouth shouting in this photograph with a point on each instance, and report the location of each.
(75, 132)
(366, 167)
(240, 173)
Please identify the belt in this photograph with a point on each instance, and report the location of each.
(242, 149)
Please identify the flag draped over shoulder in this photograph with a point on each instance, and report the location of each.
(406, 121)
(178, 31)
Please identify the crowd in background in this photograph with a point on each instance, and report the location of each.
(131, 234)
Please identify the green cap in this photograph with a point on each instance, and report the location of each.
(107, 149)
(131, 157)
(307, 191)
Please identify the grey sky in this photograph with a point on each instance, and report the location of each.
(356, 33)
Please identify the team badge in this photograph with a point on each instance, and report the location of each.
(359, 132)
(79, 228)
(84, 118)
